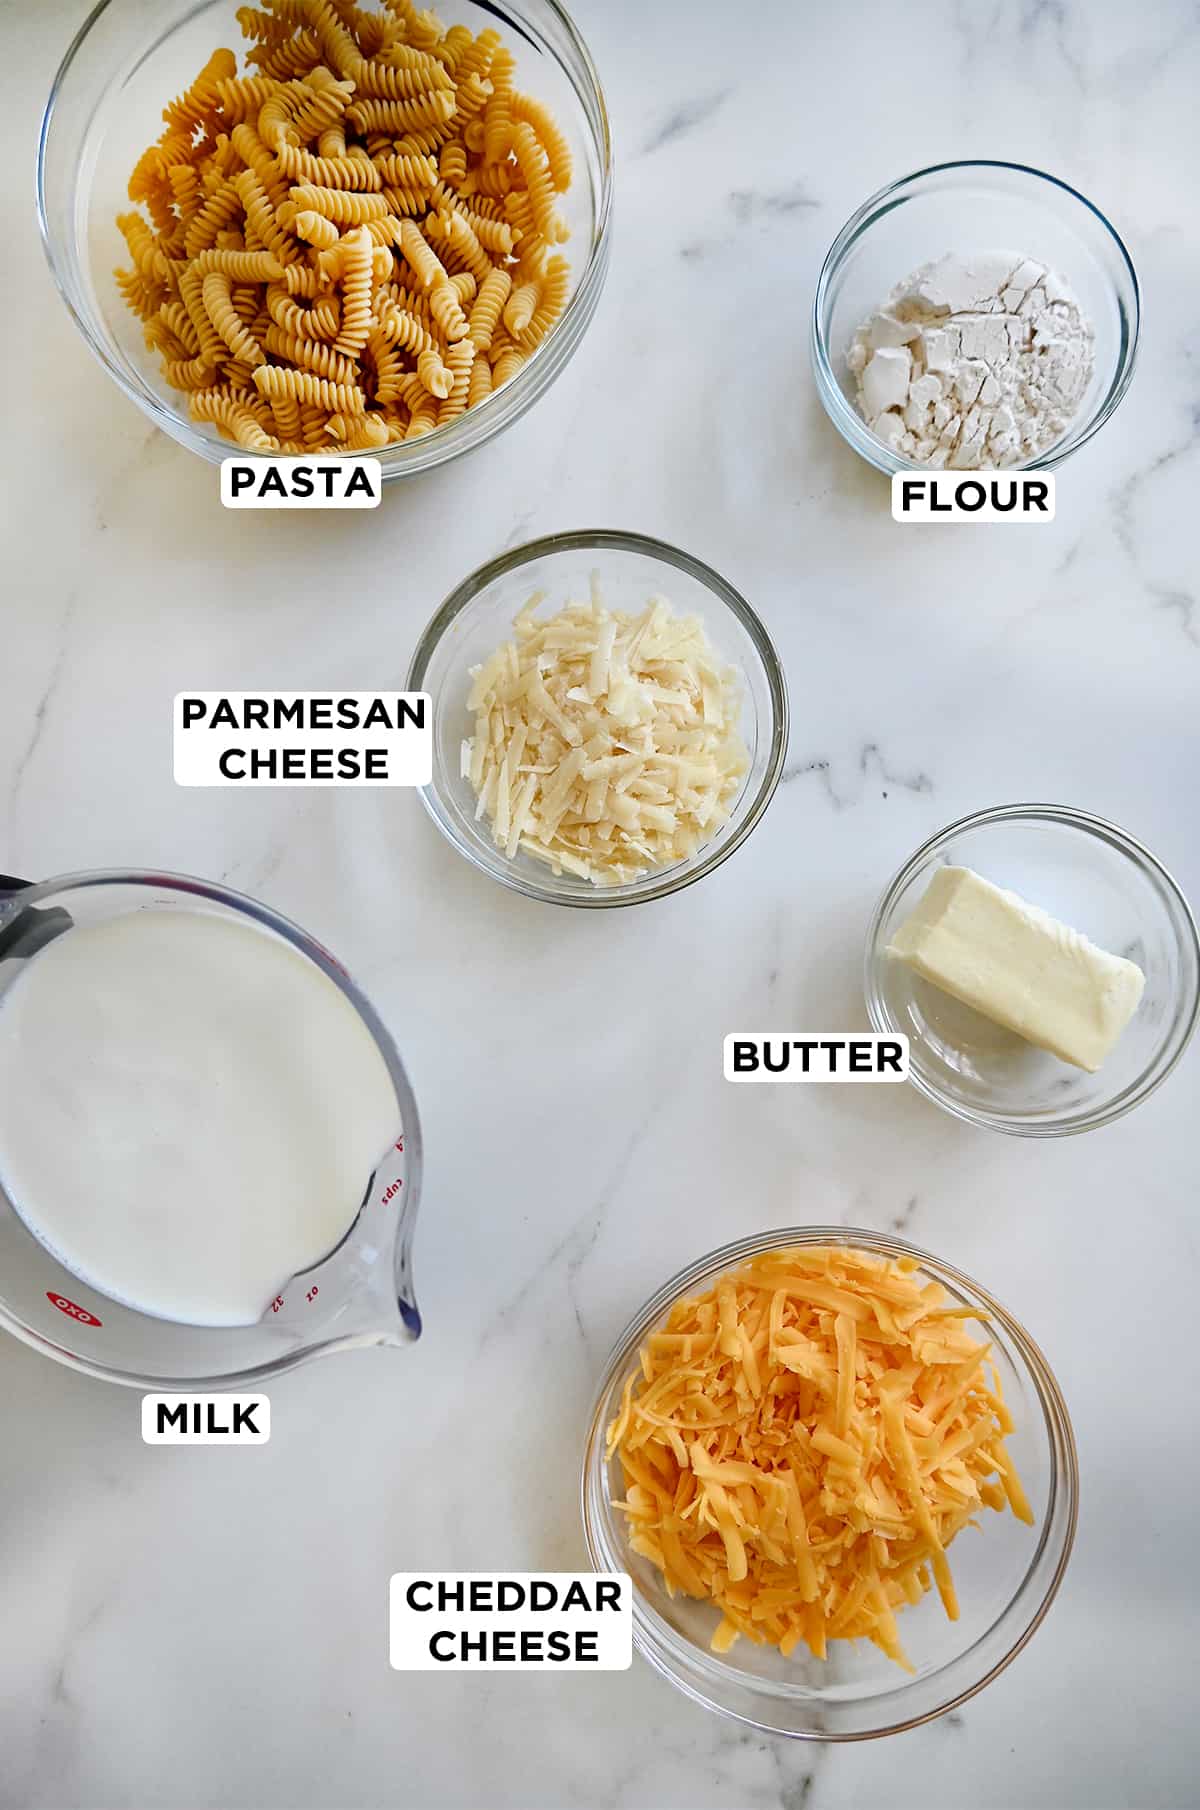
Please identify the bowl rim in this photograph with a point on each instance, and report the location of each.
(660, 1644)
(399, 458)
(853, 429)
(1064, 817)
(669, 880)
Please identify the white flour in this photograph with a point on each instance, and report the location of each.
(978, 360)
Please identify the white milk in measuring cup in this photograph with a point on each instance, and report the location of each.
(203, 1129)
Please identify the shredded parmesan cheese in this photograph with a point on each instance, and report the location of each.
(804, 1442)
(605, 745)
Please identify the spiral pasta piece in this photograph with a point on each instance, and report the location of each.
(484, 318)
(436, 376)
(221, 207)
(356, 292)
(188, 373)
(554, 289)
(498, 114)
(423, 420)
(432, 109)
(178, 322)
(452, 163)
(316, 229)
(387, 358)
(306, 386)
(460, 360)
(535, 167)
(507, 366)
(226, 411)
(191, 289)
(141, 297)
(322, 106)
(261, 217)
(322, 321)
(243, 97)
(313, 354)
(388, 81)
(445, 305)
(519, 309)
(267, 28)
(408, 170)
(345, 207)
(400, 326)
(351, 171)
(480, 386)
(194, 107)
(333, 37)
(239, 266)
(216, 293)
(420, 256)
(550, 136)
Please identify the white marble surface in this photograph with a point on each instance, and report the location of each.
(208, 1628)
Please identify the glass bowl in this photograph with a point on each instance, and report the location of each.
(1006, 1578)
(974, 206)
(477, 618)
(1091, 875)
(132, 56)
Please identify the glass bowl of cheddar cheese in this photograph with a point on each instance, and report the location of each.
(617, 774)
(795, 1512)
(306, 202)
(1095, 882)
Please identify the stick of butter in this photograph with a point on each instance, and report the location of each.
(1020, 967)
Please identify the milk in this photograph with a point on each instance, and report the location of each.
(190, 1111)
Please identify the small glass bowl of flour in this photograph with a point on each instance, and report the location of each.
(974, 316)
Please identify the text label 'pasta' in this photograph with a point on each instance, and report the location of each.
(330, 483)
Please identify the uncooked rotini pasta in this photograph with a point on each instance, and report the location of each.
(348, 242)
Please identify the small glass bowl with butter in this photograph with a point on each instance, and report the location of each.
(1086, 874)
(966, 208)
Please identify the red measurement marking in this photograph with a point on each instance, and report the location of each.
(72, 1311)
(313, 1292)
(392, 1189)
(400, 1144)
(276, 1304)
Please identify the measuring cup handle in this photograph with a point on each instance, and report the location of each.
(25, 930)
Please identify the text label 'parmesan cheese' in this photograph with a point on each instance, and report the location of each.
(303, 738)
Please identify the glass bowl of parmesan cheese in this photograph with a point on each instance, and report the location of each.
(974, 316)
(609, 719)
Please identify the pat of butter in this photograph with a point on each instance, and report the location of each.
(1020, 967)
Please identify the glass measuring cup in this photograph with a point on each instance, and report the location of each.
(360, 1294)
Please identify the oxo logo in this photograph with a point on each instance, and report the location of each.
(72, 1311)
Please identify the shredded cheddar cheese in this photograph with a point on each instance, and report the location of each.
(605, 745)
(805, 1441)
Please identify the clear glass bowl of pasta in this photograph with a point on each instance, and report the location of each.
(975, 205)
(1006, 1574)
(629, 570)
(128, 62)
